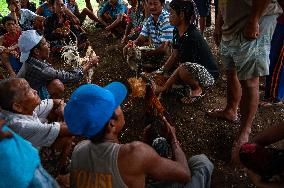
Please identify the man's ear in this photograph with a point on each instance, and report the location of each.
(110, 128)
(17, 107)
(36, 51)
(112, 122)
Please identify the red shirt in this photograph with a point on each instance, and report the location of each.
(11, 40)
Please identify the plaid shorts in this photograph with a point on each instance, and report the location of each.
(249, 58)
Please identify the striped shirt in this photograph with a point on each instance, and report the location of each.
(160, 32)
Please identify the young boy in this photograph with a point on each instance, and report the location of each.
(112, 15)
(28, 116)
(10, 53)
(60, 27)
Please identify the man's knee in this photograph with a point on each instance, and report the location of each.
(55, 89)
(250, 83)
(201, 163)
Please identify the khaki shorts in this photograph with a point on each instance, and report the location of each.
(249, 58)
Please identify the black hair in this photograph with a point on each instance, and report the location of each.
(8, 92)
(7, 18)
(52, 1)
(161, 1)
(8, 2)
(100, 135)
(189, 9)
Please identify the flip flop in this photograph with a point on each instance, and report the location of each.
(266, 104)
(192, 99)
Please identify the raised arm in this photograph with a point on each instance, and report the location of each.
(147, 162)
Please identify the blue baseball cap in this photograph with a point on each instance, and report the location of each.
(91, 106)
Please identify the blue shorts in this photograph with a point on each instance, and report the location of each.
(201, 170)
(203, 7)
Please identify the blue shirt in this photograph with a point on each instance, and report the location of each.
(46, 11)
(119, 8)
(18, 161)
(160, 32)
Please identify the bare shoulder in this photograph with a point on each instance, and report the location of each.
(139, 151)
(135, 147)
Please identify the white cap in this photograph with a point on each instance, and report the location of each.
(27, 41)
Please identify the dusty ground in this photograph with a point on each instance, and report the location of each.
(197, 132)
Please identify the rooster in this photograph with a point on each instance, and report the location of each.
(264, 161)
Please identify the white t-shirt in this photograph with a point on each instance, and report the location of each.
(34, 128)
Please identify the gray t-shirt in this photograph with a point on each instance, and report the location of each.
(93, 165)
(236, 13)
(34, 128)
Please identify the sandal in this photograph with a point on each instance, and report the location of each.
(192, 99)
(266, 104)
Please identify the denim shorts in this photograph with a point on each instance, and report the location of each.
(201, 170)
(249, 58)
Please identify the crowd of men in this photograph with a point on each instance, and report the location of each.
(37, 127)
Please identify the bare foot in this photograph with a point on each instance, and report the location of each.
(196, 92)
(223, 114)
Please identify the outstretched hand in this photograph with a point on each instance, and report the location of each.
(4, 135)
(170, 129)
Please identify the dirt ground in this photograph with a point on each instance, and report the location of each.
(197, 132)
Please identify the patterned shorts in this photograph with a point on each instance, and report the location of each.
(200, 73)
(249, 58)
